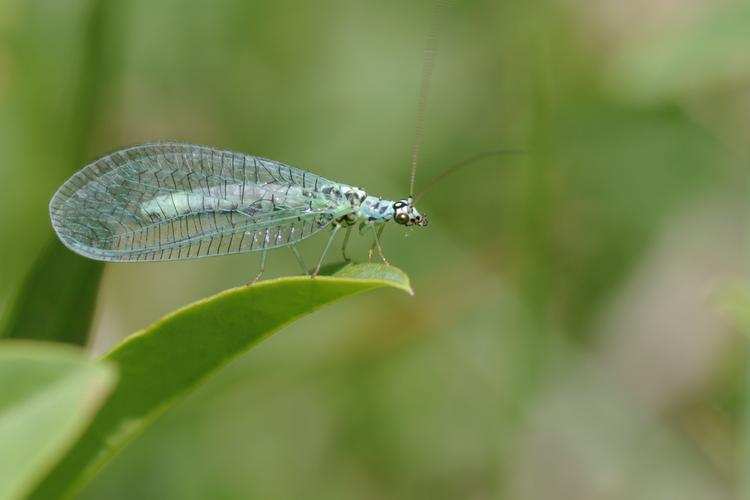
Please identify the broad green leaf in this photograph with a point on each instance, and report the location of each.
(48, 393)
(162, 363)
(64, 286)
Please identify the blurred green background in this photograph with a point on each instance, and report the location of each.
(577, 328)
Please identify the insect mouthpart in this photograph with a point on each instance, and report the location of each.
(405, 214)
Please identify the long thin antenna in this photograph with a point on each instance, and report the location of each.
(428, 64)
(452, 168)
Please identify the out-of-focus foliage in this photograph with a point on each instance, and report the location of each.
(63, 286)
(569, 336)
(48, 394)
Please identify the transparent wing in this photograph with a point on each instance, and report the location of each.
(170, 201)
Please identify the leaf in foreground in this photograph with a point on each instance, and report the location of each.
(165, 361)
(48, 393)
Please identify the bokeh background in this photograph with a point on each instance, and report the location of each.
(578, 325)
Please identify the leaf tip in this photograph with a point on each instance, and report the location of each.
(386, 274)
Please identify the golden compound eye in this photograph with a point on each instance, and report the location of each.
(402, 218)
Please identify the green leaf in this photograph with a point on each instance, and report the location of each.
(48, 393)
(64, 286)
(162, 363)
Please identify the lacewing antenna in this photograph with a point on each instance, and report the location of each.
(467, 161)
(428, 65)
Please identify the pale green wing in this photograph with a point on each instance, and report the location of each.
(169, 201)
